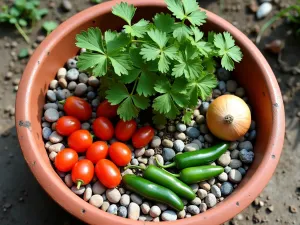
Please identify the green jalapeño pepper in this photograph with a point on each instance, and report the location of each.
(163, 178)
(152, 191)
(197, 158)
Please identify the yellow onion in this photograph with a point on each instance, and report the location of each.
(228, 117)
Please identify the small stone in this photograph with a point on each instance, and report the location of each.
(95, 102)
(16, 81)
(71, 63)
(113, 209)
(196, 201)
(293, 209)
(168, 154)
(169, 215)
(240, 92)
(149, 152)
(204, 185)
(252, 6)
(51, 115)
(209, 138)
(63, 82)
(136, 199)
(167, 143)
(180, 136)
(61, 73)
(85, 126)
(55, 137)
(210, 200)
(234, 154)
(246, 156)
(223, 177)
(263, 10)
(203, 207)
(242, 171)
(98, 188)
(216, 93)
(68, 180)
(79, 191)
(156, 141)
(125, 200)
(80, 89)
(196, 141)
(233, 145)
(239, 217)
(202, 193)
(216, 190)
(162, 207)
(203, 129)
(145, 207)
(113, 195)
(193, 209)
(204, 107)
(93, 81)
(91, 95)
(52, 156)
(235, 176)
(194, 187)
(181, 214)
(105, 206)
(171, 128)
(155, 211)
(191, 147)
(72, 74)
(127, 171)
(72, 86)
(200, 119)
(53, 84)
(134, 162)
(142, 160)
(235, 163)
(66, 5)
(227, 169)
(245, 145)
(96, 200)
(178, 145)
(56, 147)
(224, 160)
(256, 218)
(226, 188)
(181, 127)
(88, 193)
(222, 86)
(231, 86)
(192, 132)
(252, 135)
(133, 211)
(122, 211)
(51, 96)
(223, 74)
(46, 133)
(83, 78)
(212, 181)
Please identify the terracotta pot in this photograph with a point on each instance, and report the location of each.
(253, 73)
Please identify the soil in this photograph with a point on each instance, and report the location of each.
(23, 201)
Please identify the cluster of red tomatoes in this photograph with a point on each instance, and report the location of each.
(96, 153)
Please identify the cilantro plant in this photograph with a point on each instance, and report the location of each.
(23, 13)
(167, 63)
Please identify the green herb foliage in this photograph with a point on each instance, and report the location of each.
(49, 26)
(22, 13)
(166, 63)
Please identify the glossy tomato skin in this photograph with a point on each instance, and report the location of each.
(125, 129)
(83, 171)
(119, 153)
(66, 159)
(142, 137)
(107, 110)
(108, 173)
(66, 125)
(80, 140)
(98, 150)
(103, 128)
(78, 108)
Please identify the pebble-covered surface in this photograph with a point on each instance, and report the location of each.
(169, 140)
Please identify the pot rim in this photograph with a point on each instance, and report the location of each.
(224, 211)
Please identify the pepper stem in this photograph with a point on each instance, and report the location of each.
(173, 174)
(62, 102)
(79, 183)
(164, 166)
(134, 167)
(228, 119)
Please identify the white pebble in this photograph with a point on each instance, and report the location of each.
(68, 180)
(137, 199)
(196, 201)
(133, 211)
(169, 215)
(149, 152)
(55, 137)
(145, 207)
(202, 193)
(263, 10)
(79, 191)
(155, 211)
(223, 177)
(61, 73)
(113, 195)
(203, 207)
(181, 214)
(125, 200)
(88, 192)
(139, 152)
(194, 187)
(105, 206)
(204, 185)
(56, 147)
(52, 156)
(98, 188)
(235, 176)
(96, 200)
(210, 200)
(224, 160)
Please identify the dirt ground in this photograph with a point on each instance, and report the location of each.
(23, 201)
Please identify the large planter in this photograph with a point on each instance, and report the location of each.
(253, 73)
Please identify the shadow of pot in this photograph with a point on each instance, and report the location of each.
(253, 73)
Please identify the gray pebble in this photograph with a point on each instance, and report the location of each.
(136, 199)
(212, 181)
(46, 133)
(210, 200)
(79, 191)
(242, 171)
(61, 73)
(168, 154)
(66, 5)
(72, 85)
(125, 200)
(193, 209)
(46, 124)
(226, 188)
(252, 135)
(63, 82)
(156, 142)
(202, 193)
(133, 211)
(80, 89)
(51, 115)
(196, 201)
(98, 188)
(181, 127)
(93, 81)
(233, 145)
(155, 211)
(113, 195)
(55, 137)
(53, 126)
(71, 63)
(134, 162)
(162, 207)
(234, 154)
(85, 126)
(224, 160)
(60, 95)
(227, 169)
(223, 177)
(263, 10)
(91, 95)
(180, 136)
(203, 207)
(50, 105)
(83, 78)
(191, 147)
(95, 102)
(171, 128)
(61, 114)
(53, 84)
(88, 193)
(178, 145)
(96, 200)
(56, 147)
(68, 180)
(240, 92)
(200, 119)
(223, 74)
(127, 171)
(167, 143)
(209, 138)
(245, 145)
(204, 107)
(253, 125)
(216, 190)
(201, 138)
(235, 163)
(222, 86)
(145, 207)
(203, 129)
(122, 211)
(216, 93)
(235, 176)
(192, 132)
(246, 156)
(112, 209)
(231, 86)
(72, 74)
(51, 96)
(60, 106)
(194, 187)
(169, 215)
(149, 152)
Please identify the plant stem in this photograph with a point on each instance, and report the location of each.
(79, 183)
(22, 32)
(164, 166)
(134, 167)
(138, 41)
(134, 86)
(173, 174)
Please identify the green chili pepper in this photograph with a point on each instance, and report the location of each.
(163, 178)
(197, 158)
(196, 174)
(152, 191)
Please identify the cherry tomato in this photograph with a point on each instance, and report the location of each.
(107, 110)
(66, 159)
(108, 173)
(103, 128)
(83, 172)
(80, 140)
(66, 125)
(125, 129)
(119, 153)
(78, 108)
(98, 150)
(142, 137)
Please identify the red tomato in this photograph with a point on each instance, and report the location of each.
(103, 128)
(66, 125)
(98, 150)
(142, 137)
(108, 173)
(66, 159)
(107, 110)
(78, 108)
(125, 129)
(119, 153)
(83, 172)
(80, 140)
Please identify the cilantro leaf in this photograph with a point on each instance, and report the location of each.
(127, 110)
(176, 7)
(115, 41)
(162, 103)
(117, 93)
(205, 48)
(138, 29)
(125, 11)
(227, 50)
(140, 101)
(187, 116)
(121, 63)
(181, 31)
(93, 60)
(164, 22)
(90, 40)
